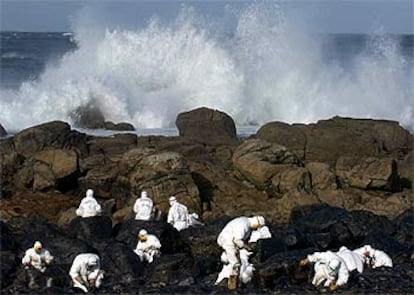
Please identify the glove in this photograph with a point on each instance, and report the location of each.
(239, 243)
(248, 247)
(303, 262)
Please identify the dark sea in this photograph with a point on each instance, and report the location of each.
(148, 76)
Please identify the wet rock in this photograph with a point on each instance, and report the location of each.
(90, 229)
(171, 269)
(88, 116)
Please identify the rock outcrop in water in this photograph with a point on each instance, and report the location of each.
(338, 182)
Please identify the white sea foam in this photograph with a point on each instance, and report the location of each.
(269, 69)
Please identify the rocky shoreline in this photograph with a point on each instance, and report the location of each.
(340, 181)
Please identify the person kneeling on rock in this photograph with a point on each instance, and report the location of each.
(86, 272)
(148, 246)
(329, 268)
(36, 260)
(88, 207)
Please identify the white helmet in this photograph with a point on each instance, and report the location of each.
(142, 232)
(93, 260)
(89, 193)
(260, 220)
(37, 245)
(172, 199)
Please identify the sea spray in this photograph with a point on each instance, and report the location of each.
(268, 68)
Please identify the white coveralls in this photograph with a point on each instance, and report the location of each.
(37, 260)
(88, 207)
(246, 268)
(143, 207)
(352, 260)
(232, 238)
(375, 258)
(178, 215)
(328, 267)
(147, 250)
(259, 234)
(85, 273)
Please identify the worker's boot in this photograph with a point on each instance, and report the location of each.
(33, 284)
(232, 282)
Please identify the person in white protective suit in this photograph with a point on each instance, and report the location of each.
(88, 207)
(143, 207)
(36, 260)
(233, 238)
(178, 214)
(373, 257)
(262, 232)
(353, 261)
(246, 268)
(328, 267)
(86, 272)
(148, 246)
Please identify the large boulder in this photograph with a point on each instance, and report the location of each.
(162, 174)
(329, 139)
(265, 165)
(368, 173)
(49, 135)
(207, 126)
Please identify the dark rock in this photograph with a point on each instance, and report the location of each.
(266, 248)
(327, 227)
(90, 229)
(282, 270)
(170, 269)
(207, 126)
(405, 225)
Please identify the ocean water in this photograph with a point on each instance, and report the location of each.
(265, 69)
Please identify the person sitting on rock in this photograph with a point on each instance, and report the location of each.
(86, 272)
(233, 238)
(328, 267)
(88, 207)
(262, 232)
(178, 214)
(246, 268)
(148, 246)
(373, 257)
(353, 261)
(143, 207)
(36, 260)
